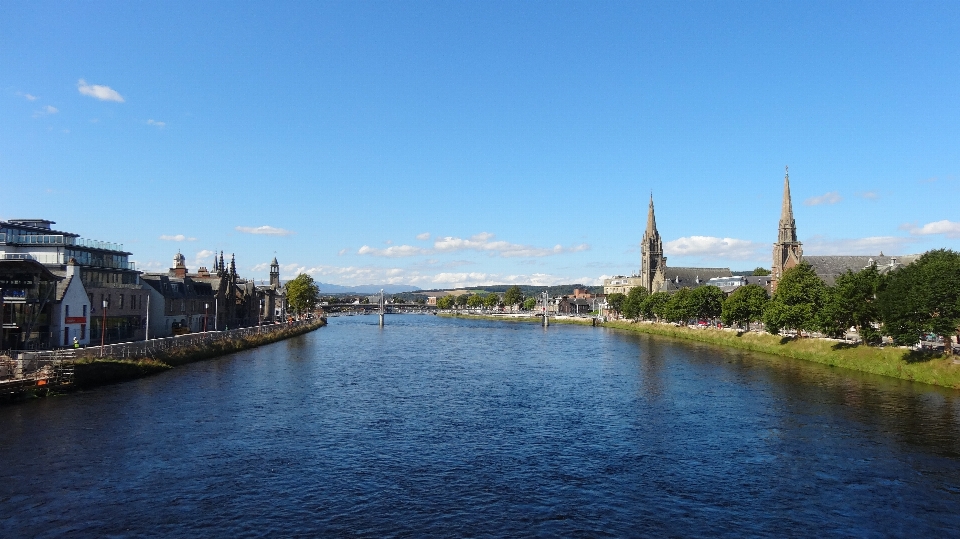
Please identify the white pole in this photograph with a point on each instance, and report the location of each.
(147, 334)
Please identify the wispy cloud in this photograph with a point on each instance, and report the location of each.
(709, 246)
(264, 230)
(948, 228)
(357, 275)
(423, 237)
(482, 242)
(202, 257)
(820, 245)
(342, 252)
(46, 111)
(161, 125)
(869, 195)
(103, 93)
(393, 251)
(28, 97)
(827, 198)
(176, 237)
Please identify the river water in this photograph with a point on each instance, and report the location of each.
(443, 427)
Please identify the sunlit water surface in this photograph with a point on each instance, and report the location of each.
(446, 427)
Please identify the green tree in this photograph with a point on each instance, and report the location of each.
(654, 304)
(474, 301)
(491, 300)
(745, 305)
(851, 302)
(302, 293)
(615, 302)
(706, 302)
(797, 302)
(679, 307)
(513, 296)
(632, 304)
(529, 304)
(445, 302)
(923, 297)
(461, 300)
(760, 272)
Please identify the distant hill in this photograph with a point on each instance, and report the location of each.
(528, 290)
(327, 288)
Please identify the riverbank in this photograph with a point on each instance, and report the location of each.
(92, 372)
(519, 318)
(891, 361)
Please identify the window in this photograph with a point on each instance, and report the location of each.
(121, 302)
(66, 311)
(83, 331)
(85, 307)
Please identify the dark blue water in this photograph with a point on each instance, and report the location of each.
(439, 427)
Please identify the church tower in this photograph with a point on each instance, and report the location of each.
(652, 260)
(275, 273)
(787, 252)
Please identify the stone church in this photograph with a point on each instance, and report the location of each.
(655, 275)
(788, 251)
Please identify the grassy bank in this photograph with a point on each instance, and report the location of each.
(889, 361)
(526, 319)
(93, 372)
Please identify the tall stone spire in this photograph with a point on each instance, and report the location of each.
(787, 252)
(652, 260)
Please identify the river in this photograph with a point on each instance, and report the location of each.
(446, 427)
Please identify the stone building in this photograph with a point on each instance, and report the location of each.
(788, 251)
(655, 275)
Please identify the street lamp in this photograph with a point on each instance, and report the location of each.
(103, 327)
(206, 316)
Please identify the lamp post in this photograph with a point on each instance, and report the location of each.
(206, 315)
(103, 328)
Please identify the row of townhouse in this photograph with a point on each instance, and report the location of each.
(57, 289)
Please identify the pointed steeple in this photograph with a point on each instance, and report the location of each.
(651, 218)
(233, 264)
(788, 226)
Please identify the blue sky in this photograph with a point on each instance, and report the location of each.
(467, 143)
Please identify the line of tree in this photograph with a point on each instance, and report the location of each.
(906, 304)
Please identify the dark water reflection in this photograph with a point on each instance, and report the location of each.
(470, 428)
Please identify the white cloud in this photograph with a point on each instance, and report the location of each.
(948, 228)
(870, 195)
(392, 252)
(873, 245)
(342, 252)
(150, 266)
(177, 237)
(357, 275)
(423, 237)
(103, 93)
(709, 246)
(481, 242)
(265, 230)
(50, 110)
(28, 97)
(827, 198)
(202, 257)
(156, 123)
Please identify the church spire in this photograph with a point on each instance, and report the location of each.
(788, 226)
(651, 218)
(787, 252)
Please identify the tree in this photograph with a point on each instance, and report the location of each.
(745, 305)
(615, 302)
(302, 293)
(445, 302)
(923, 297)
(474, 301)
(461, 300)
(852, 302)
(513, 296)
(760, 272)
(706, 302)
(653, 305)
(797, 302)
(632, 304)
(529, 304)
(679, 307)
(491, 300)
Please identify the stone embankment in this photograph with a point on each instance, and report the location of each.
(126, 361)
